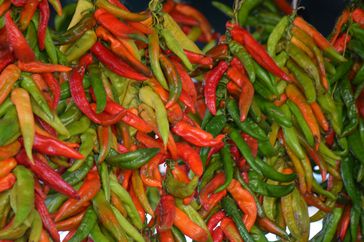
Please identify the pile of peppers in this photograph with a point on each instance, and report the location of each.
(116, 126)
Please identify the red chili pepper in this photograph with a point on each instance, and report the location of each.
(217, 235)
(358, 16)
(194, 13)
(44, 15)
(39, 67)
(51, 146)
(284, 6)
(113, 24)
(312, 200)
(54, 86)
(46, 127)
(4, 7)
(87, 191)
(201, 60)
(195, 135)
(257, 51)
(80, 99)
(341, 42)
(344, 17)
(208, 197)
(168, 6)
(214, 150)
(166, 212)
(115, 64)
(7, 182)
(219, 52)
(235, 62)
(129, 118)
(48, 222)
(149, 172)
(191, 157)
(212, 79)
(165, 236)
(183, 19)
(70, 223)
(6, 58)
(360, 104)
(214, 220)
(27, 13)
(330, 137)
(233, 89)
(344, 223)
(17, 41)
(46, 174)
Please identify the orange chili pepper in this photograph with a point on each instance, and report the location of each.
(70, 223)
(171, 146)
(282, 100)
(7, 182)
(230, 231)
(191, 157)
(126, 174)
(301, 45)
(118, 204)
(245, 201)
(137, 204)
(322, 121)
(39, 81)
(344, 17)
(8, 77)
(344, 223)
(147, 171)
(87, 191)
(208, 198)
(10, 150)
(40, 67)
(233, 89)
(27, 13)
(284, 6)
(44, 237)
(188, 227)
(166, 236)
(138, 188)
(4, 7)
(296, 96)
(6, 166)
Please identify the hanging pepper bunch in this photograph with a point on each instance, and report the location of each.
(115, 126)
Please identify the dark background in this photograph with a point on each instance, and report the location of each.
(320, 13)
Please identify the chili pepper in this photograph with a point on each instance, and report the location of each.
(44, 15)
(201, 60)
(46, 174)
(274, 112)
(318, 38)
(46, 218)
(187, 84)
(232, 210)
(70, 223)
(240, 52)
(27, 13)
(228, 168)
(214, 220)
(296, 97)
(7, 166)
(134, 159)
(188, 227)
(245, 9)
(9, 76)
(120, 12)
(306, 83)
(332, 222)
(6, 59)
(276, 35)
(54, 86)
(174, 80)
(165, 211)
(343, 18)
(12, 232)
(81, 46)
(88, 222)
(88, 139)
(209, 196)
(349, 101)
(191, 157)
(248, 126)
(230, 231)
(107, 217)
(139, 189)
(245, 202)
(21, 100)
(212, 79)
(196, 135)
(178, 188)
(7, 182)
(75, 32)
(257, 52)
(11, 129)
(97, 87)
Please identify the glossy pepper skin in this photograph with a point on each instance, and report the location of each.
(212, 79)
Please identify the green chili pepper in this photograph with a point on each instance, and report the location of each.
(4, 107)
(248, 126)
(22, 194)
(9, 126)
(357, 47)
(129, 229)
(352, 112)
(177, 188)
(265, 78)
(232, 210)
(78, 175)
(81, 46)
(125, 198)
(301, 122)
(134, 159)
(175, 47)
(259, 87)
(105, 180)
(260, 187)
(153, 197)
(74, 33)
(359, 76)
(79, 127)
(317, 188)
(330, 108)
(257, 234)
(306, 64)
(240, 52)
(245, 8)
(342, 71)
(153, 50)
(331, 225)
(71, 114)
(223, 8)
(274, 112)
(178, 235)
(214, 165)
(97, 235)
(97, 86)
(88, 222)
(306, 83)
(276, 35)
(28, 84)
(107, 217)
(228, 163)
(356, 146)
(36, 228)
(88, 140)
(54, 201)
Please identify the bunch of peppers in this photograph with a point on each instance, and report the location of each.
(116, 126)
